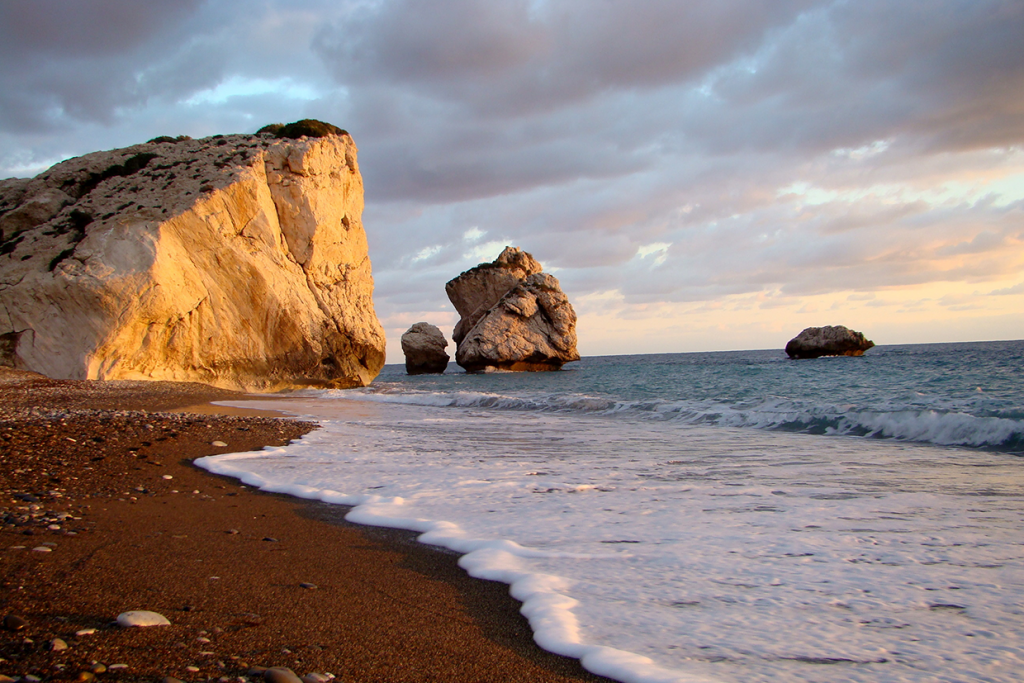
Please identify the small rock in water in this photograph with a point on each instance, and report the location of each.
(140, 618)
(58, 645)
(280, 674)
(310, 586)
(219, 444)
(12, 622)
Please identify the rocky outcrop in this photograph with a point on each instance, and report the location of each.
(831, 340)
(514, 317)
(477, 290)
(424, 348)
(239, 261)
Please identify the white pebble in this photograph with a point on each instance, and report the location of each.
(42, 549)
(141, 618)
(218, 443)
(85, 632)
(167, 476)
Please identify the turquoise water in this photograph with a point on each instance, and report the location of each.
(968, 394)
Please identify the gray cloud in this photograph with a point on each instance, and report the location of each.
(673, 152)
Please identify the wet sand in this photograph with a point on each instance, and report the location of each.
(99, 474)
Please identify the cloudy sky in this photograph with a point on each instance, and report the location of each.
(698, 175)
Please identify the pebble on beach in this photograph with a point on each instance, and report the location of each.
(58, 645)
(280, 674)
(315, 677)
(12, 622)
(141, 618)
(219, 444)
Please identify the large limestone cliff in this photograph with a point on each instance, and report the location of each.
(239, 261)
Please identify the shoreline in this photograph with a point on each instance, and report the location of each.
(246, 578)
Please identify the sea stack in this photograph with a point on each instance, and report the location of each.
(239, 261)
(514, 317)
(424, 347)
(831, 340)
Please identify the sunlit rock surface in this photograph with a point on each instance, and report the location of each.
(514, 317)
(238, 261)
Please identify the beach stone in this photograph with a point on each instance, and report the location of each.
(42, 549)
(309, 586)
(98, 668)
(270, 539)
(238, 261)
(424, 347)
(219, 444)
(831, 340)
(171, 679)
(140, 618)
(85, 677)
(315, 677)
(256, 671)
(6, 679)
(280, 674)
(58, 645)
(85, 632)
(12, 622)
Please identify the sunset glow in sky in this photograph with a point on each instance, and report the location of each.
(699, 176)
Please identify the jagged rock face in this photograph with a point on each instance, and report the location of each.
(424, 348)
(477, 290)
(532, 327)
(238, 261)
(831, 340)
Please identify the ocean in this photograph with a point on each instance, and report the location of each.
(728, 517)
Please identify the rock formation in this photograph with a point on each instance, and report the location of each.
(514, 317)
(830, 340)
(239, 261)
(424, 349)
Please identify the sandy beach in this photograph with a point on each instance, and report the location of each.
(102, 512)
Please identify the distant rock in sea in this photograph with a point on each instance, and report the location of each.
(424, 347)
(831, 340)
(239, 261)
(514, 317)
